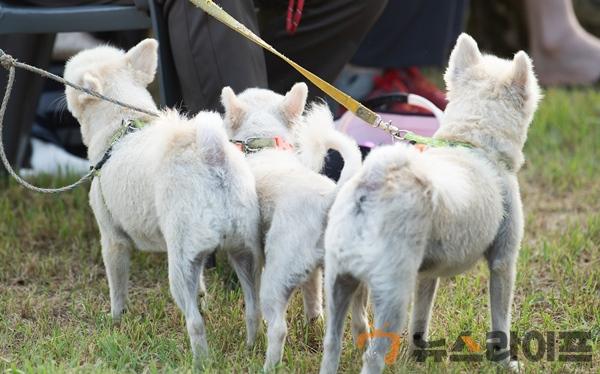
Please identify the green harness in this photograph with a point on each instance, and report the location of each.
(126, 128)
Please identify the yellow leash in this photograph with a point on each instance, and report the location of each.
(341, 97)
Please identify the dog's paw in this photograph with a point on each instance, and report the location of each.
(514, 366)
(198, 365)
(511, 366)
(201, 357)
(117, 316)
(272, 367)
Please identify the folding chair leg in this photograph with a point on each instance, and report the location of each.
(35, 49)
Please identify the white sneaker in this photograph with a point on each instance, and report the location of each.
(48, 158)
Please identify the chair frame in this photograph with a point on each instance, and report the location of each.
(41, 24)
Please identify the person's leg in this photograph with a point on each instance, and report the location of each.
(412, 33)
(409, 35)
(208, 55)
(563, 52)
(329, 34)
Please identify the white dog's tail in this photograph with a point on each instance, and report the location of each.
(445, 182)
(317, 134)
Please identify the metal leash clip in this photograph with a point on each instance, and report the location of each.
(395, 133)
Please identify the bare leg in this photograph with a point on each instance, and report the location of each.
(116, 256)
(339, 291)
(563, 52)
(421, 314)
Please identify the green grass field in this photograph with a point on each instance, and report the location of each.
(54, 296)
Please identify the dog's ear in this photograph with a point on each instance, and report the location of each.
(464, 55)
(524, 79)
(143, 59)
(234, 108)
(92, 83)
(294, 101)
(522, 69)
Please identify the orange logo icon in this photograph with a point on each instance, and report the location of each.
(394, 338)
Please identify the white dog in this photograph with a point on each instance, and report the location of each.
(408, 218)
(294, 199)
(175, 185)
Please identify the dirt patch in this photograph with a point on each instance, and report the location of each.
(548, 211)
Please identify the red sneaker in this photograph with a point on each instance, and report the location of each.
(419, 85)
(390, 82)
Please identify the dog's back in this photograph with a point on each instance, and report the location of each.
(449, 200)
(179, 171)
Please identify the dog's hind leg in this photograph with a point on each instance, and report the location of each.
(275, 291)
(502, 258)
(116, 255)
(502, 278)
(360, 318)
(184, 274)
(339, 289)
(243, 262)
(421, 313)
(391, 288)
(312, 292)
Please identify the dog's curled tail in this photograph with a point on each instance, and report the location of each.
(317, 134)
(211, 137)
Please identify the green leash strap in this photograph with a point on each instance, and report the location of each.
(432, 142)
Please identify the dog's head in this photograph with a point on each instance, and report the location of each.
(259, 112)
(112, 72)
(497, 96)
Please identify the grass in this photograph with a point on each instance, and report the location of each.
(54, 296)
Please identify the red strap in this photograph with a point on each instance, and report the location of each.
(282, 144)
(239, 146)
(294, 14)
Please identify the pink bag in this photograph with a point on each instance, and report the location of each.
(369, 137)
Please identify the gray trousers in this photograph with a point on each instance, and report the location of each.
(209, 56)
